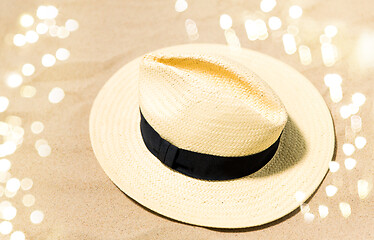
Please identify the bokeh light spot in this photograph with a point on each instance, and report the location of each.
(331, 190)
(14, 80)
(300, 196)
(31, 36)
(5, 176)
(19, 40)
(9, 212)
(274, 23)
(17, 235)
(40, 142)
(329, 54)
(26, 20)
(308, 217)
(324, 39)
(305, 55)
(6, 227)
(28, 200)
(5, 165)
(363, 188)
(225, 21)
(26, 184)
(62, 54)
(356, 123)
(323, 211)
(28, 69)
(232, 39)
(191, 29)
(37, 127)
(350, 163)
(345, 209)
(332, 79)
(44, 150)
(251, 29)
(181, 5)
(334, 166)
(41, 28)
(289, 43)
(348, 149)
(63, 32)
(358, 99)
(304, 208)
(7, 148)
(48, 60)
(56, 95)
(53, 31)
(295, 12)
(46, 12)
(71, 25)
(267, 5)
(292, 29)
(345, 112)
(336, 93)
(37, 217)
(331, 31)
(28, 91)
(4, 103)
(360, 142)
(13, 184)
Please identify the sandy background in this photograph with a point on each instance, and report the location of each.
(79, 201)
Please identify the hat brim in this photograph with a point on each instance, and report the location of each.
(292, 175)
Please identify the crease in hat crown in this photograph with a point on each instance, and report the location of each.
(209, 104)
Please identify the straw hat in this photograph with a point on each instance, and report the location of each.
(213, 136)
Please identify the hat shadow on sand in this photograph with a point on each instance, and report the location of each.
(294, 140)
(297, 156)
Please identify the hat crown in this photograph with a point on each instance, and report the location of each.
(209, 104)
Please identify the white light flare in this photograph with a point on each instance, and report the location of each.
(334, 166)
(365, 50)
(46, 12)
(19, 40)
(28, 69)
(289, 43)
(251, 29)
(48, 60)
(356, 123)
(295, 12)
(305, 55)
(41, 28)
(363, 188)
(274, 23)
(267, 5)
(14, 80)
(232, 39)
(62, 54)
(333, 81)
(225, 21)
(331, 190)
(323, 211)
(181, 5)
(360, 142)
(32, 36)
(26, 20)
(4, 103)
(331, 31)
(345, 209)
(358, 99)
(72, 25)
(191, 29)
(329, 54)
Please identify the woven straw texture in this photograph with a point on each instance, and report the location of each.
(300, 164)
(208, 104)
